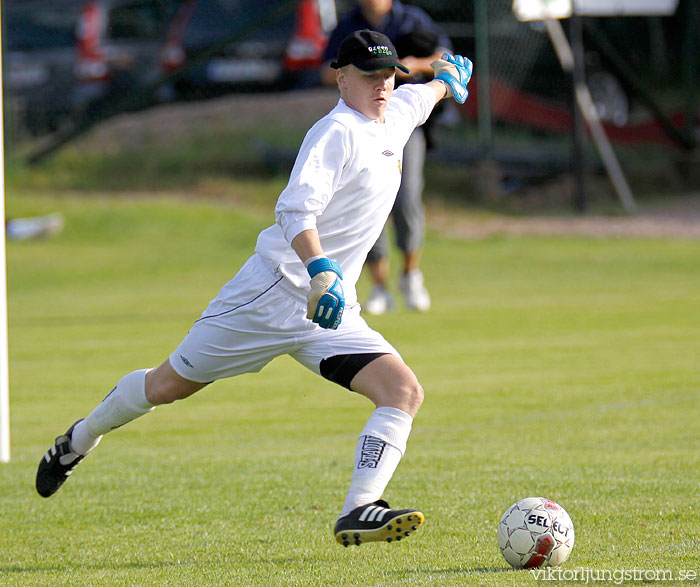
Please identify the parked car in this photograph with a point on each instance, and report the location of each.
(219, 46)
(119, 46)
(39, 59)
(63, 56)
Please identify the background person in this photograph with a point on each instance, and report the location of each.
(418, 41)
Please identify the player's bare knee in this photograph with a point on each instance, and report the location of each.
(157, 392)
(388, 382)
(414, 397)
(405, 395)
(164, 385)
(411, 392)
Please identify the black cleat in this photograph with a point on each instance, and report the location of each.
(376, 522)
(56, 465)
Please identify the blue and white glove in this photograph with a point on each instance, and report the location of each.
(326, 300)
(455, 72)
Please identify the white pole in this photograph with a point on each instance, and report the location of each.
(590, 114)
(4, 355)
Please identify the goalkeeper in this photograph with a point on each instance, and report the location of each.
(296, 294)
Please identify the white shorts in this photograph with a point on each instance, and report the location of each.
(259, 315)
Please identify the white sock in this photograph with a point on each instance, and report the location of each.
(380, 447)
(126, 402)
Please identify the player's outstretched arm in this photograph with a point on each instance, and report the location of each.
(454, 71)
(326, 299)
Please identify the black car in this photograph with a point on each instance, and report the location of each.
(39, 62)
(64, 56)
(218, 46)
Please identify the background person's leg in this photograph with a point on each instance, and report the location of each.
(380, 300)
(409, 221)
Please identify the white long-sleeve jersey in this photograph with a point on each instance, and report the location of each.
(343, 184)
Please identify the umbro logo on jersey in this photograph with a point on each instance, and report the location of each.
(387, 153)
(186, 361)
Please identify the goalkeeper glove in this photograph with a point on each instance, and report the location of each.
(326, 300)
(454, 71)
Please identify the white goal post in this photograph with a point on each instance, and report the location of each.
(4, 355)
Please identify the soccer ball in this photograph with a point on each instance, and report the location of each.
(535, 532)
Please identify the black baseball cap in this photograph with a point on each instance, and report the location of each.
(369, 51)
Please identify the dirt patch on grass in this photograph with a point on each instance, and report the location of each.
(173, 122)
(679, 218)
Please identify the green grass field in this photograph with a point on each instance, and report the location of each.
(561, 367)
